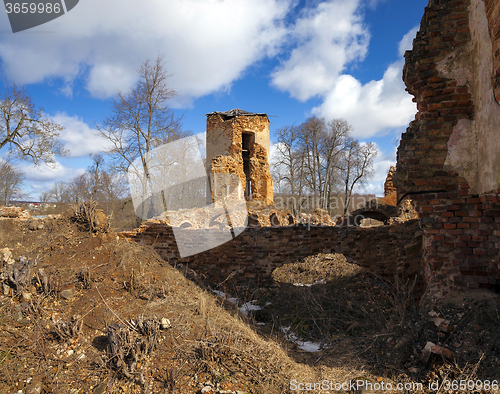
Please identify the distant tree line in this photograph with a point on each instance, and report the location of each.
(100, 183)
(319, 161)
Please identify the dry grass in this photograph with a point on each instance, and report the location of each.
(368, 329)
(324, 267)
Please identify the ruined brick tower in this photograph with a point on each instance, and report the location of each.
(238, 143)
(448, 159)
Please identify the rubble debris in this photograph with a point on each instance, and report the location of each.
(68, 293)
(442, 324)
(431, 348)
(14, 212)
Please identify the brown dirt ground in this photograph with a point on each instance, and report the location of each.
(369, 330)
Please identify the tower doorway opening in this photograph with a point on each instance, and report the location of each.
(245, 152)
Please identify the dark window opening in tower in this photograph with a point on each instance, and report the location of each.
(246, 164)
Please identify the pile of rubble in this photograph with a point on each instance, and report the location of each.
(14, 212)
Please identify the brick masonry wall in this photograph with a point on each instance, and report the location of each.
(460, 217)
(493, 13)
(252, 256)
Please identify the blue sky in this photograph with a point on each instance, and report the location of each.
(291, 59)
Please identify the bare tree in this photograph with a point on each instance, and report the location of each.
(58, 193)
(11, 180)
(142, 120)
(288, 166)
(334, 144)
(322, 145)
(23, 128)
(312, 134)
(95, 174)
(318, 161)
(356, 166)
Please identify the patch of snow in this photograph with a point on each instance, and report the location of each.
(321, 281)
(224, 295)
(249, 306)
(219, 293)
(307, 346)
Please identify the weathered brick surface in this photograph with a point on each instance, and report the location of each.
(224, 152)
(390, 192)
(460, 219)
(253, 255)
(493, 13)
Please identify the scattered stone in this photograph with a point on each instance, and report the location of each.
(35, 387)
(33, 225)
(25, 296)
(165, 323)
(206, 389)
(67, 294)
(17, 316)
(100, 389)
(436, 349)
(442, 324)
(6, 256)
(14, 212)
(6, 289)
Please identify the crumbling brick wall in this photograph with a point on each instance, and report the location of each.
(254, 254)
(448, 158)
(224, 151)
(390, 193)
(493, 14)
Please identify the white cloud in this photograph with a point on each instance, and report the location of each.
(371, 108)
(328, 37)
(208, 44)
(78, 137)
(49, 173)
(407, 42)
(375, 107)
